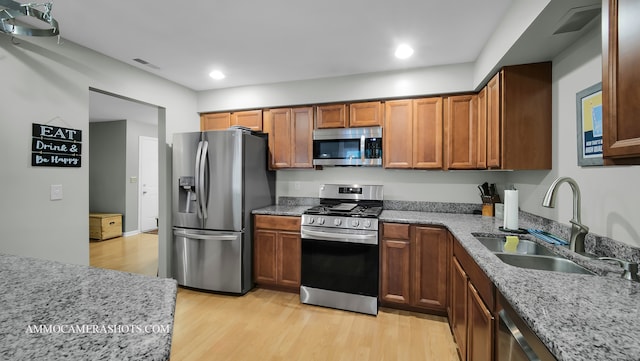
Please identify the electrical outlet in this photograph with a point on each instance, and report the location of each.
(296, 186)
(56, 192)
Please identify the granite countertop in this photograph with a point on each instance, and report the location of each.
(578, 317)
(56, 311)
(282, 210)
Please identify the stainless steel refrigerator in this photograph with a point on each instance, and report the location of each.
(219, 177)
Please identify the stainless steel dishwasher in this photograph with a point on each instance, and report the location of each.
(515, 340)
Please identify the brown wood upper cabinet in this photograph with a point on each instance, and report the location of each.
(481, 145)
(251, 119)
(620, 79)
(215, 121)
(367, 114)
(331, 116)
(413, 133)
(519, 117)
(415, 266)
(290, 137)
(461, 131)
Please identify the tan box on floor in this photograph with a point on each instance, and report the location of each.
(105, 225)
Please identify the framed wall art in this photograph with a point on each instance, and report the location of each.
(589, 119)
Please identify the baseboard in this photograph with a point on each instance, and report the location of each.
(130, 233)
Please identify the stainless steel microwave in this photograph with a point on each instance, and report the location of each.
(348, 147)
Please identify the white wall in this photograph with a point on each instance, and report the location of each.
(411, 82)
(609, 194)
(399, 184)
(42, 80)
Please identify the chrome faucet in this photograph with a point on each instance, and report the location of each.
(578, 230)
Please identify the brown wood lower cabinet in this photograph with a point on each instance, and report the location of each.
(414, 266)
(277, 252)
(471, 314)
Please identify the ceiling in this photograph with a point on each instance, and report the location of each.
(262, 42)
(287, 40)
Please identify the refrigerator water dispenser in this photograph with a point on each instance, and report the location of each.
(187, 195)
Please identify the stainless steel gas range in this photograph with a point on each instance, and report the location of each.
(340, 253)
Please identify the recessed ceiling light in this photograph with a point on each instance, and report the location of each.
(216, 74)
(403, 51)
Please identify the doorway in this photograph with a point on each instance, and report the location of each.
(123, 139)
(148, 184)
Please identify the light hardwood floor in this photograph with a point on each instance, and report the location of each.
(272, 325)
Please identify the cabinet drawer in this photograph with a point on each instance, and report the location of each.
(283, 223)
(395, 230)
(105, 225)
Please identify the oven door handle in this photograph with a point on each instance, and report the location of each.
(340, 237)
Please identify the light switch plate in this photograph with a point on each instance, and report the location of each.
(56, 192)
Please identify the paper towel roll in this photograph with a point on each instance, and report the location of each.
(511, 209)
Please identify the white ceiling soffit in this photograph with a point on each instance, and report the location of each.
(279, 40)
(105, 107)
(542, 41)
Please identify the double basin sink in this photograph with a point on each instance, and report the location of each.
(530, 255)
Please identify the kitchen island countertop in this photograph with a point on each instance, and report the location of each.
(578, 317)
(57, 311)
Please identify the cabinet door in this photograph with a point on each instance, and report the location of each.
(288, 259)
(459, 307)
(427, 133)
(395, 271)
(398, 125)
(481, 159)
(251, 119)
(620, 78)
(215, 121)
(280, 137)
(431, 261)
(367, 114)
(493, 122)
(461, 132)
(480, 336)
(264, 257)
(332, 116)
(302, 142)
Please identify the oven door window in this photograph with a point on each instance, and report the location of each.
(340, 266)
(336, 149)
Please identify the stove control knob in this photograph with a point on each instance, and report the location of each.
(320, 221)
(337, 221)
(367, 223)
(355, 223)
(310, 220)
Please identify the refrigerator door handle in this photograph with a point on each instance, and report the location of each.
(198, 180)
(204, 196)
(206, 237)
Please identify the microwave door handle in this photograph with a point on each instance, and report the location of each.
(362, 150)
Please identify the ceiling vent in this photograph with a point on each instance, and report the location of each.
(577, 18)
(144, 62)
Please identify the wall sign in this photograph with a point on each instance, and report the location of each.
(53, 146)
(589, 119)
